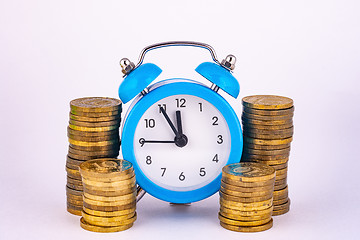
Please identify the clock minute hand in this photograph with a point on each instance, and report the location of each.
(162, 110)
(178, 122)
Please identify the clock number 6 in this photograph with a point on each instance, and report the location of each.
(220, 139)
(182, 176)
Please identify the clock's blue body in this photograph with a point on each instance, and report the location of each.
(157, 92)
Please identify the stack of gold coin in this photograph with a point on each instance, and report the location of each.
(109, 197)
(93, 132)
(246, 197)
(268, 131)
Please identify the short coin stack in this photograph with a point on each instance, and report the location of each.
(268, 130)
(246, 197)
(93, 132)
(109, 195)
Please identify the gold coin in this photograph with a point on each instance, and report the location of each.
(73, 181)
(247, 213)
(130, 196)
(266, 147)
(281, 193)
(74, 186)
(255, 122)
(119, 207)
(267, 136)
(110, 148)
(247, 229)
(107, 189)
(266, 157)
(74, 197)
(247, 189)
(281, 176)
(267, 127)
(266, 152)
(74, 153)
(282, 171)
(278, 187)
(281, 182)
(72, 173)
(108, 214)
(289, 111)
(248, 172)
(282, 210)
(116, 117)
(95, 104)
(245, 194)
(107, 167)
(109, 221)
(285, 205)
(114, 137)
(86, 158)
(94, 144)
(268, 142)
(111, 133)
(280, 201)
(94, 228)
(126, 179)
(267, 118)
(248, 184)
(71, 166)
(267, 162)
(246, 206)
(110, 193)
(96, 114)
(280, 166)
(243, 223)
(108, 203)
(74, 211)
(285, 131)
(74, 202)
(238, 217)
(73, 161)
(245, 199)
(271, 102)
(73, 192)
(94, 124)
(93, 129)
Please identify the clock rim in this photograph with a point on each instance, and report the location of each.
(158, 91)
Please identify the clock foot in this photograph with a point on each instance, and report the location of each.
(180, 204)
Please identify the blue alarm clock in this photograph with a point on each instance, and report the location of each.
(179, 133)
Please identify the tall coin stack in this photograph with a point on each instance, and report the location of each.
(268, 130)
(93, 132)
(246, 197)
(109, 195)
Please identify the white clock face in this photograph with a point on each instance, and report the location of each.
(188, 155)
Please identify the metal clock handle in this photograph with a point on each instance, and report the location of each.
(128, 66)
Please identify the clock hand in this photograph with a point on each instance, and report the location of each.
(178, 121)
(142, 141)
(162, 110)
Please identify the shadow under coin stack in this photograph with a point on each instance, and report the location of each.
(268, 130)
(246, 197)
(109, 195)
(93, 132)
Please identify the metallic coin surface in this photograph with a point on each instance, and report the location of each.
(248, 184)
(96, 114)
(248, 172)
(106, 144)
(267, 118)
(95, 124)
(95, 104)
(268, 136)
(93, 129)
(241, 222)
(107, 167)
(246, 206)
(266, 152)
(110, 193)
(265, 157)
(268, 142)
(119, 207)
(114, 137)
(255, 122)
(94, 228)
(93, 134)
(269, 112)
(245, 199)
(109, 148)
(73, 192)
(266, 147)
(238, 217)
(74, 211)
(285, 205)
(109, 221)
(271, 102)
(89, 155)
(250, 129)
(108, 203)
(130, 196)
(245, 194)
(248, 229)
(94, 119)
(247, 213)
(267, 162)
(108, 214)
(247, 189)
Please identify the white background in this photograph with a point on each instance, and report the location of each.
(55, 51)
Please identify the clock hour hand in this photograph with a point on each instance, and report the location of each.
(142, 141)
(162, 110)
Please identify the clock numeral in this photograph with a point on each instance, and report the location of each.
(215, 119)
(180, 102)
(200, 107)
(202, 172)
(149, 123)
(182, 176)
(164, 169)
(163, 106)
(142, 142)
(220, 139)
(216, 158)
(148, 160)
